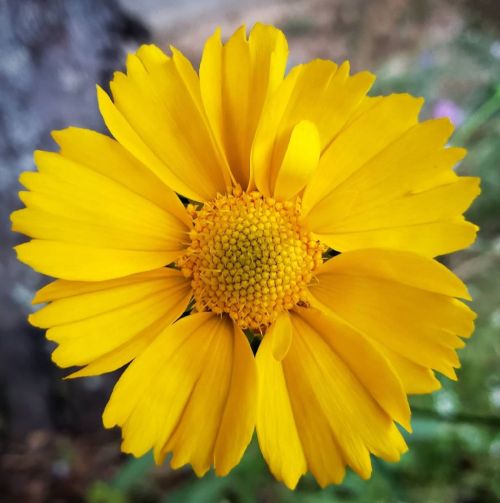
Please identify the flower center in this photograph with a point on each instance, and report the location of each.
(250, 258)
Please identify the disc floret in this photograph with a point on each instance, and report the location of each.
(249, 257)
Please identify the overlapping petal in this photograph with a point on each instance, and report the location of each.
(320, 93)
(90, 217)
(320, 408)
(387, 181)
(107, 157)
(236, 79)
(105, 324)
(190, 393)
(157, 114)
(405, 303)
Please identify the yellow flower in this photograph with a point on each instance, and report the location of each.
(282, 173)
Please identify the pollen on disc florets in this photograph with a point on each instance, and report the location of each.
(249, 257)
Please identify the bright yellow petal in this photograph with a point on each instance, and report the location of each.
(402, 301)
(91, 226)
(300, 161)
(238, 421)
(158, 116)
(437, 205)
(183, 391)
(276, 426)
(150, 396)
(416, 159)
(123, 354)
(281, 334)
(430, 239)
(406, 196)
(325, 459)
(225, 398)
(415, 378)
(71, 190)
(106, 156)
(130, 311)
(191, 442)
(294, 436)
(357, 420)
(356, 144)
(236, 79)
(399, 266)
(84, 263)
(318, 92)
(152, 57)
(365, 361)
(315, 413)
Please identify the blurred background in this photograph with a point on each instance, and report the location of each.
(53, 447)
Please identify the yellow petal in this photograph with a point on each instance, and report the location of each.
(90, 226)
(238, 421)
(357, 420)
(356, 144)
(158, 116)
(150, 396)
(404, 196)
(300, 161)
(415, 160)
(366, 361)
(186, 374)
(281, 334)
(314, 410)
(276, 427)
(130, 311)
(71, 301)
(418, 318)
(106, 156)
(399, 266)
(125, 134)
(438, 204)
(225, 398)
(123, 354)
(430, 239)
(325, 459)
(44, 218)
(71, 190)
(235, 80)
(415, 378)
(152, 57)
(366, 104)
(318, 92)
(190, 442)
(84, 263)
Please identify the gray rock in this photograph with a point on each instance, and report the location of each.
(53, 54)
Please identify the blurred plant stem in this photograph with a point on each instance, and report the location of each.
(478, 118)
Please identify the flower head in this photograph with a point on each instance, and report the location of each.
(312, 220)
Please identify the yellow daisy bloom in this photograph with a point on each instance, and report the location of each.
(313, 215)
